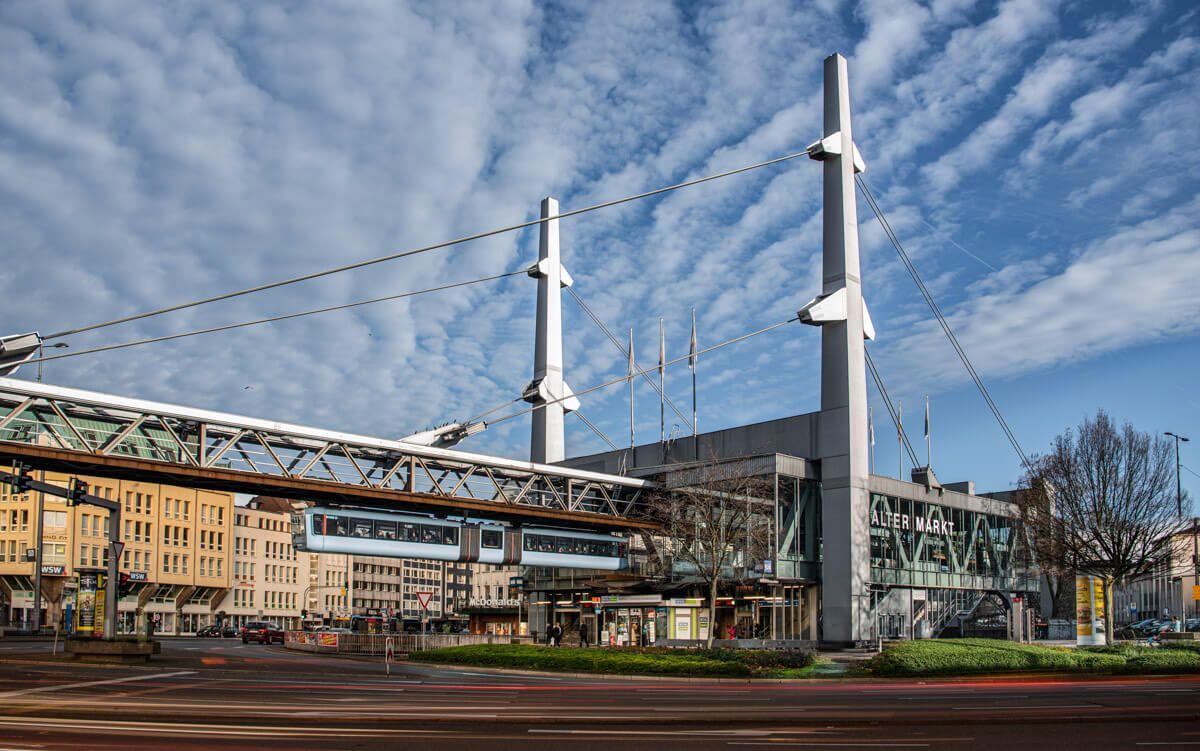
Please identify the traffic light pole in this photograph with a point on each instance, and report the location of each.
(76, 494)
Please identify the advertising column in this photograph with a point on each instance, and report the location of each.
(1089, 611)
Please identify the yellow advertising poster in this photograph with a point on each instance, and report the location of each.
(1098, 598)
(1083, 606)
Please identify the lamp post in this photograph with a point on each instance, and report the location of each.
(1179, 509)
(1178, 487)
(42, 353)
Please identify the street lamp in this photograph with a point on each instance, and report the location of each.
(1179, 507)
(1178, 487)
(42, 353)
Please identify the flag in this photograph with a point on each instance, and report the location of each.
(692, 351)
(631, 367)
(662, 346)
(926, 415)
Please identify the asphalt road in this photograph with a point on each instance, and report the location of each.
(216, 693)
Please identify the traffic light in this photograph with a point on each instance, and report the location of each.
(21, 479)
(77, 491)
(124, 585)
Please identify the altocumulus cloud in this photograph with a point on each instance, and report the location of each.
(153, 153)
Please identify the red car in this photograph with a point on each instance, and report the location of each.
(263, 632)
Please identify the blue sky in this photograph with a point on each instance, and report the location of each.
(1038, 159)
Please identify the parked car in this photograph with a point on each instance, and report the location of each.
(228, 631)
(1191, 624)
(263, 632)
(209, 631)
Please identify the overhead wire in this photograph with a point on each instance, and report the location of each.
(596, 430)
(625, 378)
(424, 249)
(891, 408)
(625, 353)
(941, 319)
(272, 319)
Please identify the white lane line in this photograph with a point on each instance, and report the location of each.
(1030, 706)
(66, 686)
(829, 744)
(1169, 743)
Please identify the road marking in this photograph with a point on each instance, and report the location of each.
(838, 744)
(1029, 706)
(1169, 743)
(65, 686)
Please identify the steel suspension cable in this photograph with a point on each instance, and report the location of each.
(891, 408)
(272, 319)
(625, 353)
(427, 248)
(596, 430)
(625, 378)
(941, 319)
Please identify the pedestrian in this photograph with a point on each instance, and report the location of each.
(555, 635)
(583, 636)
(1176, 625)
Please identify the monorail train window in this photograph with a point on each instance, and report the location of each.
(531, 542)
(362, 528)
(545, 544)
(318, 524)
(491, 538)
(385, 530)
(564, 545)
(338, 526)
(449, 535)
(430, 536)
(410, 532)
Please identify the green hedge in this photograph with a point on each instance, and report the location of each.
(986, 656)
(626, 661)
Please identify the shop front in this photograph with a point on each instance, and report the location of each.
(499, 617)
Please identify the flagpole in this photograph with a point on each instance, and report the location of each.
(662, 387)
(693, 361)
(632, 430)
(900, 436)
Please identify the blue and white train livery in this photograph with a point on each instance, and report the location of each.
(380, 533)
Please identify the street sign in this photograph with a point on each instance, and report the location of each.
(424, 598)
(30, 554)
(389, 653)
(117, 548)
(516, 581)
(1196, 592)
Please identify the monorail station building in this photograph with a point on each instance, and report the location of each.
(853, 554)
(933, 556)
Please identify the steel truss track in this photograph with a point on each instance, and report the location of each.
(58, 425)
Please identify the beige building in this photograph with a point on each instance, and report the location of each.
(1174, 587)
(270, 577)
(177, 551)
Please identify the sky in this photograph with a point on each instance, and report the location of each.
(1039, 161)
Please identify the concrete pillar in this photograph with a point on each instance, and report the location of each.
(843, 449)
(546, 441)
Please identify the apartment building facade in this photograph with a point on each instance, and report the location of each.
(270, 577)
(177, 551)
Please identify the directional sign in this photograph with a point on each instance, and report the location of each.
(424, 598)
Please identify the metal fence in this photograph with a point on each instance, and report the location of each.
(376, 644)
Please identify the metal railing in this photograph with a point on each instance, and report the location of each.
(376, 644)
(109, 428)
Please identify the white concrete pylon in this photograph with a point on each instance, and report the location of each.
(842, 439)
(546, 442)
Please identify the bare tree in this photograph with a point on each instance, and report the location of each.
(717, 520)
(1102, 502)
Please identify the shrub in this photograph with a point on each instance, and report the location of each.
(625, 661)
(979, 656)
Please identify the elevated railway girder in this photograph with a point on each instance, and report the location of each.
(72, 430)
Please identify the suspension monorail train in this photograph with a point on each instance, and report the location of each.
(361, 532)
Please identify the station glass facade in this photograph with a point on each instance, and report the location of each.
(921, 544)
